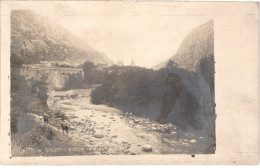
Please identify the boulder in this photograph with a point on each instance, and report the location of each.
(136, 121)
(147, 148)
(99, 134)
(166, 129)
(173, 133)
(154, 125)
(72, 128)
(193, 141)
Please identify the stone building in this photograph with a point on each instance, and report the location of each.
(56, 77)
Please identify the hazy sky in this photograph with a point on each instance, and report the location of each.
(147, 32)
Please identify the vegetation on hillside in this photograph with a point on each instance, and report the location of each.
(24, 93)
(34, 38)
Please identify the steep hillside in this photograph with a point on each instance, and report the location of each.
(34, 38)
(197, 45)
(194, 63)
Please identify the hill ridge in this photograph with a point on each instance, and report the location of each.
(198, 44)
(35, 38)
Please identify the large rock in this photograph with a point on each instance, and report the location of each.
(99, 134)
(193, 141)
(136, 121)
(194, 63)
(147, 148)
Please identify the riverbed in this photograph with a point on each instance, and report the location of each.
(108, 130)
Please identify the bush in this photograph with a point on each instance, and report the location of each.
(130, 87)
(94, 74)
(20, 95)
(60, 115)
(98, 95)
(41, 134)
(14, 123)
(75, 81)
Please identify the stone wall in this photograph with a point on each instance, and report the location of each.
(55, 77)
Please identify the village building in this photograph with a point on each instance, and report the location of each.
(132, 63)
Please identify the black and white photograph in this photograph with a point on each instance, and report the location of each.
(69, 97)
(132, 79)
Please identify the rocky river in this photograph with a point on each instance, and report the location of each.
(106, 130)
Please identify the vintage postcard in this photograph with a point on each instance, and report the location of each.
(129, 82)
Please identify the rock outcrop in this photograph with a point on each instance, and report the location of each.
(194, 63)
(198, 45)
(173, 88)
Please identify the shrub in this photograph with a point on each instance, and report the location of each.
(94, 74)
(75, 81)
(130, 87)
(41, 134)
(98, 95)
(60, 115)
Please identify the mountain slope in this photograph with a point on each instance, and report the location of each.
(197, 45)
(194, 63)
(34, 38)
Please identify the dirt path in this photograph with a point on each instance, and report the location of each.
(107, 130)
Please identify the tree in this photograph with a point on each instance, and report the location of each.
(16, 61)
(170, 64)
(88, 67)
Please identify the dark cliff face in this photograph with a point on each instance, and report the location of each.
(34, 38)
(173, 88)
(195, 105)
(208, 71)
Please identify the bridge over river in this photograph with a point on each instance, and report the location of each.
(56, 77)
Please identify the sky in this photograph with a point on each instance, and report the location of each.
(147, 32)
